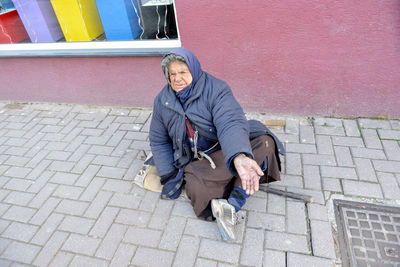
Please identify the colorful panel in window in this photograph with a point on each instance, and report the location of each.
(39, 20)
(11, 28)
(79, 20)
(120, 18)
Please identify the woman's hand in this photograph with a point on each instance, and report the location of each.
(249, 172)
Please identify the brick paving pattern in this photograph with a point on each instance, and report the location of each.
(67, 196)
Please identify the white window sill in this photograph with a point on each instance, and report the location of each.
(83, 49)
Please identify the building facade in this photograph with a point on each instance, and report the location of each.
(330, 58)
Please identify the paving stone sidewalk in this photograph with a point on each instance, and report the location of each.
(67, 196)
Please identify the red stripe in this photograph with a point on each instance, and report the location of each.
(189, 129)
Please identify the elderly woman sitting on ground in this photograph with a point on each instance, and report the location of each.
(200, 138)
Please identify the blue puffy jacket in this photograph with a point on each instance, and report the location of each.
(213, 111)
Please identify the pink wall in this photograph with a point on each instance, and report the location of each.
(120, 81)
(303, 57)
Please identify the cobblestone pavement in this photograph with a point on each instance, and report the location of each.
(67, 196)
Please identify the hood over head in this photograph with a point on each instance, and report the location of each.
(191, 60)
(194, 67)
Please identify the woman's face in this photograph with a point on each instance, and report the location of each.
(179, 75)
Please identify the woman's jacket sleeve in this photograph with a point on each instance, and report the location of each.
(232, 127)
(160, 143)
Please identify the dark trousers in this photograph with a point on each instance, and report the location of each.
(202, 183)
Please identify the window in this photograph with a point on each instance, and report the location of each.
(87, 27)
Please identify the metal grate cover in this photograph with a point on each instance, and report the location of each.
(369, 235)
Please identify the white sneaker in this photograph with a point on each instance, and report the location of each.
(226, 218)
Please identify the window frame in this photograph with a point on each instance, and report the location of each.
(94, 48)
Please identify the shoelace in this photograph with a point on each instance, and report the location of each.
(228, 216)
(238, 217)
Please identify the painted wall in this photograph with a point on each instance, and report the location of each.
(330, 57)
(303, 57)
(119, 81)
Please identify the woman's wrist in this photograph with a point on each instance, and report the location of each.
(239, 157)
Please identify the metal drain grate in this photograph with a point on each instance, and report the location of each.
(369, 235)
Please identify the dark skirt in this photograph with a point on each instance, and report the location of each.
(202, 183)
